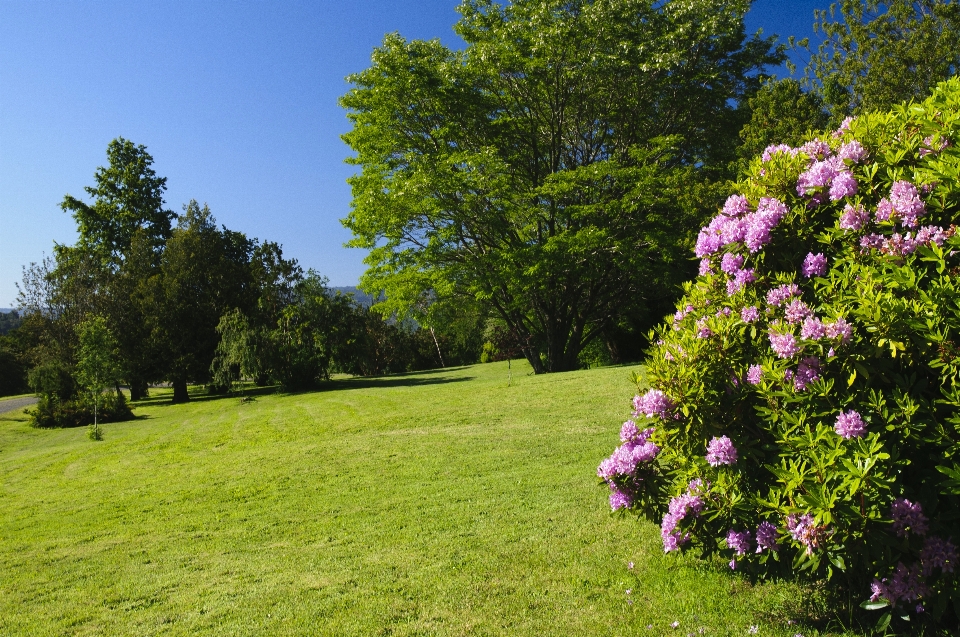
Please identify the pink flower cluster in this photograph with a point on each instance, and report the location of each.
(905, 585)
(803, 529)
(653, 404)
(907, 203)
(796, 311)
(778, 295)
(814, 265)
(783, 345)
(770, 151)
(679, 315)
(679, 508)
(812, 329)
(850, 425)
(938, 553)
(908, 518)
(908, 243)
(767, 537)
(807, 372)
(721, 451)
(827, 177)
(854, 218)
(853, 151)
(620, 469)
(740, 541)
(737, 224)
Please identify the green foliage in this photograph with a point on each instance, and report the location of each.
(51, 413)
(780, 113)
(53, 379)
(309, 334)
(128, 196)
(877, 54)
(830, 491)
(569, 145)
(9, 321)
(204, 272)
(236, 357)
(97, 366)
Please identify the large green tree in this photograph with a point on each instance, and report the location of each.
(128, 196)
(122, 232)
(876, 54)
(553, 169)
(204, 272)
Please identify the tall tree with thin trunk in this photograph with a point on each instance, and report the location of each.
(97, 365)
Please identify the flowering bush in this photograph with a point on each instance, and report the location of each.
(804, 402)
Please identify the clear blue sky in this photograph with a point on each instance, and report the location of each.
(236, 102)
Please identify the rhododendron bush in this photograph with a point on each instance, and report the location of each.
(802, 415)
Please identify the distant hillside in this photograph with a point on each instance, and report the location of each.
(359, 295)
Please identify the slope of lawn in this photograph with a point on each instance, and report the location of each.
(438, 503)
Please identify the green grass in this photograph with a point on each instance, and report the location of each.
(439, 503)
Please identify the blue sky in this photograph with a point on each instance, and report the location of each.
(236, 102)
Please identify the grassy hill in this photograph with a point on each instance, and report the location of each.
(436, 503)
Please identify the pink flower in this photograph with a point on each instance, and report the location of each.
(812, 329)
(906, 201)
(908, 517)
(784, 345)
(850, 425)
(853, 218)
(853, 151)
(720, 451)
(814, 265)
(844, 185)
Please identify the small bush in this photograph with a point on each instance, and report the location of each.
(805, 396)
(51, 412)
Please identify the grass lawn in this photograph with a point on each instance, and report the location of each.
(438, 503)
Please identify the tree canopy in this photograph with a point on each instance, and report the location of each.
(877, 54)
(551, 169)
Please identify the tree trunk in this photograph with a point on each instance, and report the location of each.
(180, 394)
(138, 389)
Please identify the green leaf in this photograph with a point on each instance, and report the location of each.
(884, 623)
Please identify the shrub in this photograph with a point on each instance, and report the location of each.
(77, 412)
(804, 398)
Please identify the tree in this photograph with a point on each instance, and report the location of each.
(97, 366)
(236, 356)
(780, 113)
(878, 54)
(122, 234)
(204, 272)
(552, 169)
(128, 196)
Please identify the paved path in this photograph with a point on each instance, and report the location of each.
(16, 403)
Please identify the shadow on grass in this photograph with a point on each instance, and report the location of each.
(407, 379)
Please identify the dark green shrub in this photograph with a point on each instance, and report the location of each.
(50, 412)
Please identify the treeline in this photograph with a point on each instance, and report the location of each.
(536, 194)
(188, 301)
